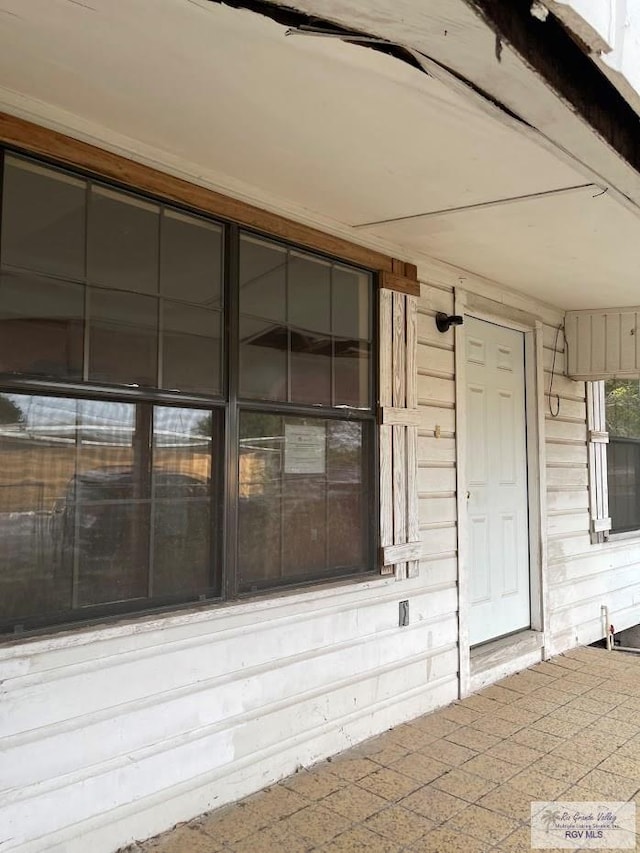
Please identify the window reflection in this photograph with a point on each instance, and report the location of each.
(123, 239)
(102, 503)
(123, 338)
(43, 219)
(303, 498)
(305, 328)
(41, 326)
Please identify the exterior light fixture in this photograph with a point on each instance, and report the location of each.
(445, 321)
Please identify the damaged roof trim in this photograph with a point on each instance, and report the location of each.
(553, 54)
(309, 25)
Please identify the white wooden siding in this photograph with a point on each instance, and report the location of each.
(582, 576)
(112, 734)
(116, 733)
(603, 344)
(436, 435)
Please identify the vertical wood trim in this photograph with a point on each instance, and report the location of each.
(597, 449)
(537, 466)
(400, 493)
(399, 351)
(592, 460)
(399, 432)
(386, 491)
(411, 311)
(413, 527)
(385, 348)
(464, 664)
(385, 434)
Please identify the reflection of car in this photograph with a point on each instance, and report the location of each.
(104, 510)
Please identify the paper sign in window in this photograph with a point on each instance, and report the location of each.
(304, 449)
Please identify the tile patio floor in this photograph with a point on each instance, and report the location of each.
(459, 779)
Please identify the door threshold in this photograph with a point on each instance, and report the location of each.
(498, 658)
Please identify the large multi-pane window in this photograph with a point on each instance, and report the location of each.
(186, 408)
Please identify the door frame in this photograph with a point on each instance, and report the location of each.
(481, 308)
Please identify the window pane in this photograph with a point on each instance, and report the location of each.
(310, 369)
(303, 497)
(191, 348)
(110, 498)
(43, 219)
(260, 496)
(263, 359)
(123, 338)
(351, 373)
(123, 241)
(309, 292)
(41, 326)
(622, 398)
(623, 475)
(622, 402)
(98, 505)
(262, 279)
(37, 456)
(350, 303)
(182, 452)
(191, 261)
(347, 494)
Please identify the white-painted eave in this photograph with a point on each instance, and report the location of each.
(336, 135)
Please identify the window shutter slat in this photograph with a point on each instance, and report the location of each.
(399, 420)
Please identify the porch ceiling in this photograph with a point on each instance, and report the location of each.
(332, 133)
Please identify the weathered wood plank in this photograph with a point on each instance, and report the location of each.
(394, 555)
(385, 389)
(567, 476)
(433, 390)
(436, 480)
(399, 283)
(411, 344)
(395, 416)
(413, 526)
(399, 360)
(385, 442)
(437, 510)
(435, 360)
(400, 492)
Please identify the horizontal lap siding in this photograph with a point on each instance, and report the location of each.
(436, 461)
(581, 576)
(205, 712)
(113, 734)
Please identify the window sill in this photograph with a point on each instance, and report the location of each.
(243, 612)
(620, 537)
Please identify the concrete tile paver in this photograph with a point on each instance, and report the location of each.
(459, 780)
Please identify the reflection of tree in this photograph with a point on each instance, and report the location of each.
(623, 407)
(204, 426)
(10, 413)
(260, 425)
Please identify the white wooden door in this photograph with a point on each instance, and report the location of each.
(498, 543)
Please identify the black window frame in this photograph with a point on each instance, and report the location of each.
(228, 404)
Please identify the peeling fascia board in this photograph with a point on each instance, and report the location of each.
(580, 27)
(607, 52)
(500, 76)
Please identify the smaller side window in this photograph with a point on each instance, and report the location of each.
(622, 406)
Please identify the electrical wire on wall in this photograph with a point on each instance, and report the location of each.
(554, 414)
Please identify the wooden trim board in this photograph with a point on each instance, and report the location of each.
(34, 139)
